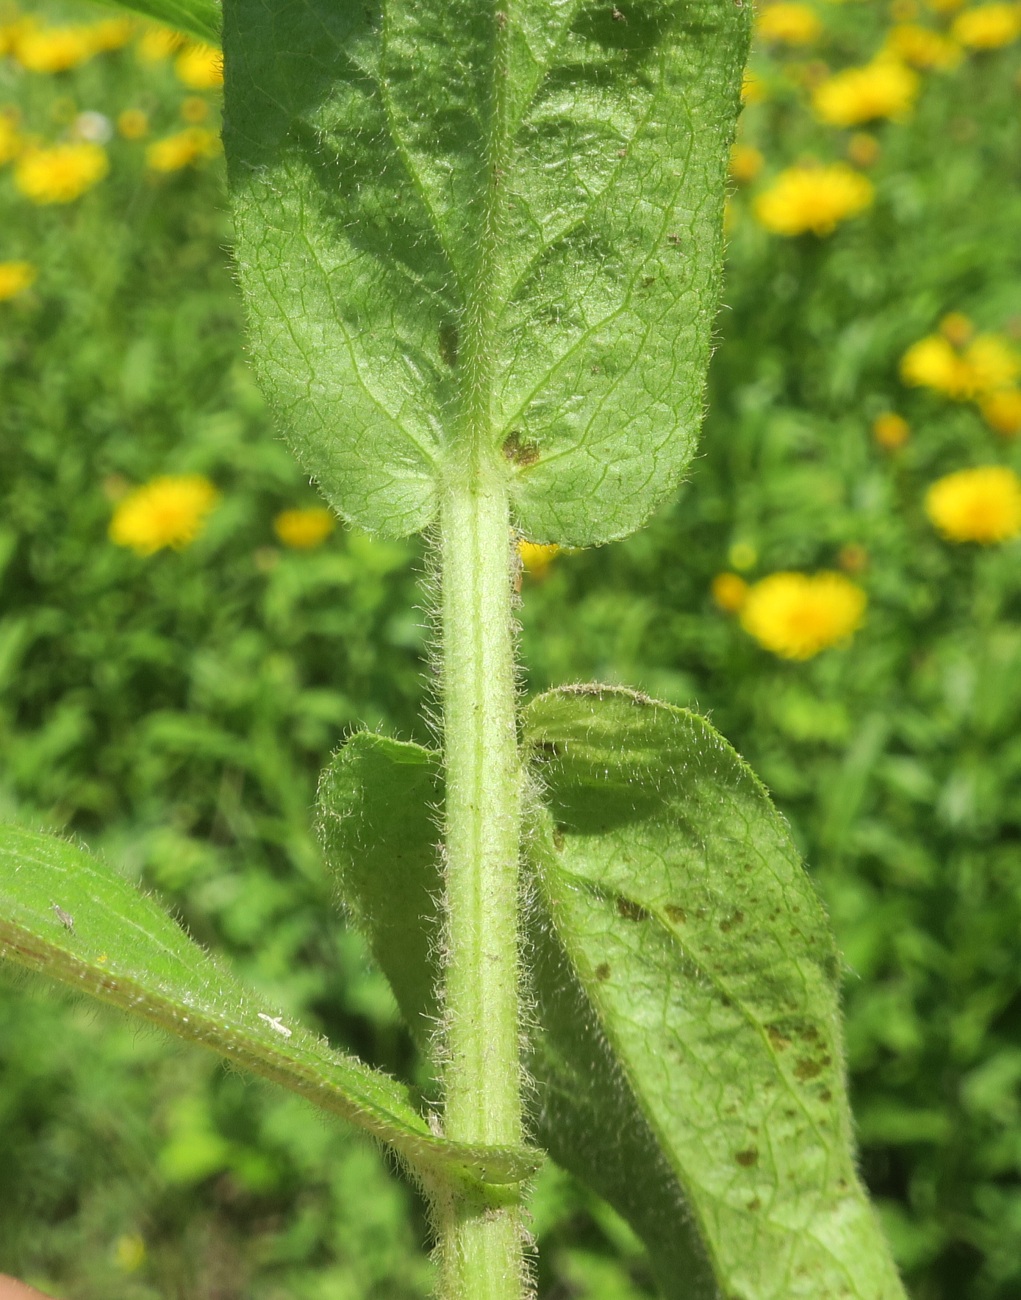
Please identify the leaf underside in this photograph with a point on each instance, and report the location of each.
(688, 1059)
(365, 143)
(70, 916)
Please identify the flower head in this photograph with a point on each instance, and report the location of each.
(158, 43)
(181, 150)
(15, 278)
(921, 47)
(883, 88)
(976, 505)
(61, 173)
(200, 67)
(984, 365)
(788, 23)
(745, 163)
(111, 33)
(52, 49)
(795, 615)
(987, 27)
(304, 529)
(812, 198)
(1002, 411)
(167, 511)
(890, 430)
(536, 558)
(133, 124)
(729, 591)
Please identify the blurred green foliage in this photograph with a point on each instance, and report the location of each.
(175, 710)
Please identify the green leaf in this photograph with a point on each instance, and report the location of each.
(508, 215)
(688, 1058)
(199, 18)
(66, 914)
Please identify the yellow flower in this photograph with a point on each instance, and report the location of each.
(745, 163)
(166, 511)
(200, 67)
(891, 430)
(976, 505)
(194, 109)
(537, 558)
(789, 23)
(986, 364)
(52, 49)
(61, 173)
(133, 124)
(729, 591)
(753, 88)
(987, 27)
(863, 149)
(921, 47)
(157, 44)
(181, 150)
(10, 136)
(304, 529)
(111, 33)
(795, 615)
(15, 278)
(815, 198)
(1002, 411)
(883, 88)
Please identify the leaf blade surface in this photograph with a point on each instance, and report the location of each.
(64, 913)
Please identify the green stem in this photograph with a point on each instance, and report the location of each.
(481, 1250)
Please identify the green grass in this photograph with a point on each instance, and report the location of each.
(174, 711)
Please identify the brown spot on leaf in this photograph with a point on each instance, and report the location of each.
(676, 914)
(748, 1157)
(826, 1095)
(449, 341)
(558, 838)
(734, 919)
(778, 1038)
(603, 971)
(754, 1204)
(630, 910)
(519, 451)
(807, 1069)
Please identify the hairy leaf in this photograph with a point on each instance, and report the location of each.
(688, 1059)
(468, 211)
(199, 18)
(66, 914)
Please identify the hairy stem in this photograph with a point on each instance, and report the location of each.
(480, 1254)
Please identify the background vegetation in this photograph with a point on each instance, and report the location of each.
(173, 709)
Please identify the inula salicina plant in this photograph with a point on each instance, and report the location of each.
(479, 245)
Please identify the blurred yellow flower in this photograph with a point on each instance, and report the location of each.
(157, 44)
(883, 88)
(52, 49)
(922, 47)
(111, 33)
(987, 27)
(812, 198)
(1002, 411)
(795, 615)
(745, 163)
(200, 67)
(194, 109)
(729, 591)
(10, 136)
(181, 150)
(133, 124)
(166, 511)
(863, 149)
(976, 505)
(753, 88)
(788, 23)
(61, 173)
(304, 529)
(985, 364)
(15, 278)
(537, 558)
(890, 430)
